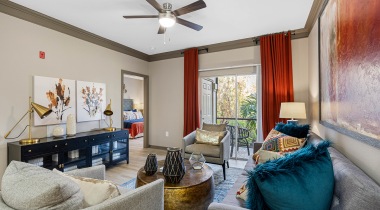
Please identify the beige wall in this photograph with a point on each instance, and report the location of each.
(300, 73)
(135, 90)
(364, 156)
(166, 86)
(166, 102)
(66, 57)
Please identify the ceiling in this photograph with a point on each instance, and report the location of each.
(222, 20)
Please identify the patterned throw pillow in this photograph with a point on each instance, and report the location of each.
(283, 143)
(209, 137)
(272, 134)
(139, 115)
(129, 115)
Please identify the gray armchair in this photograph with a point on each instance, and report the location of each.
(213, 154)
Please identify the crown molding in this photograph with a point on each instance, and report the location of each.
(18, 11)
(32, 16)
(314, 14)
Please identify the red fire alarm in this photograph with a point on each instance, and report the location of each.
(42, 54)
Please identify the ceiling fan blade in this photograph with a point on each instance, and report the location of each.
(156, 5)
(161, 30)
(190, 8)
(189, 24)
(140, 16)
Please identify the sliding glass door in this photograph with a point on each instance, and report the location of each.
(234, 101)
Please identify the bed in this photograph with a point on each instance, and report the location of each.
(133, 119)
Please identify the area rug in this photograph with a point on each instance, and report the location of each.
(221, 186)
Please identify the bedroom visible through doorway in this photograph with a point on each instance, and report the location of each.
(133, 107)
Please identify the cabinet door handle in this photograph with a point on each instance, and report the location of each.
(113, 135)
(55, 146)
(93, 139)
(108, 136)
(85, 140)
(30, 150)
(65, 144)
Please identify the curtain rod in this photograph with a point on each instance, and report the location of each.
(257, 38)
(201, 49)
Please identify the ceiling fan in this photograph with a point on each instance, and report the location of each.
(167, 18)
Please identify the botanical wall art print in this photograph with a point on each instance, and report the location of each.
(57, 94)
(349, 62)
(91, 101)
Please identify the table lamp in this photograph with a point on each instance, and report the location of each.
(41, 111)
(293, 110)
(108, 112)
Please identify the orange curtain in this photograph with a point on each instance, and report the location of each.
(191, 106)
(277, 76)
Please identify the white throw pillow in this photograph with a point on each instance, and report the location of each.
(263, 156)
(95, 191)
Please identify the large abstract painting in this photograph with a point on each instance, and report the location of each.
(349, 44)
(56, 93)
(91, 99)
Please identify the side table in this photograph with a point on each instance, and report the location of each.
(195, 191)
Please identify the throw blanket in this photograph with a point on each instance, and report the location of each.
(128, 123)
(136, 128)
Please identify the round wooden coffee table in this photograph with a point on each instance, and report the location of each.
(195, 191)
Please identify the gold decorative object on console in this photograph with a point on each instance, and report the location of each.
(108, 112)
(41, 111)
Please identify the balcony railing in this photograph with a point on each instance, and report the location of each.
(243, 123)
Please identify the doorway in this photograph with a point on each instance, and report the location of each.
(134, 105)
(233, 99)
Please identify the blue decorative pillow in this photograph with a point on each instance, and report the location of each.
(301, 180)
(299, 131)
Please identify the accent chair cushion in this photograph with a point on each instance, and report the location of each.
(209, 137)
(214, 127)
(299, 131)
(27, 186)
(300, 180)
(95, 191)
(205, 149)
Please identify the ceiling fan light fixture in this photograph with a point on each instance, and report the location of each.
(167, 19)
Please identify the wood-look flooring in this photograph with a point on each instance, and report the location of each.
(123, 172)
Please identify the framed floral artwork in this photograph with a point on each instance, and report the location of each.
(91, 101)
(57, 94)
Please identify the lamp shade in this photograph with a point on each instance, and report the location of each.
(41, 110)
(108, 111)
(293, 110)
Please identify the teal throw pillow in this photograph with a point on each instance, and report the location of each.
(300, 180)
(295, 130)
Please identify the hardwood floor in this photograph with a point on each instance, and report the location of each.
(137, 155)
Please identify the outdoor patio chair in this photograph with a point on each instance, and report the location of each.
(243, 135)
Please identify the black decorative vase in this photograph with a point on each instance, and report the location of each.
(151, 165)
(174, 168)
